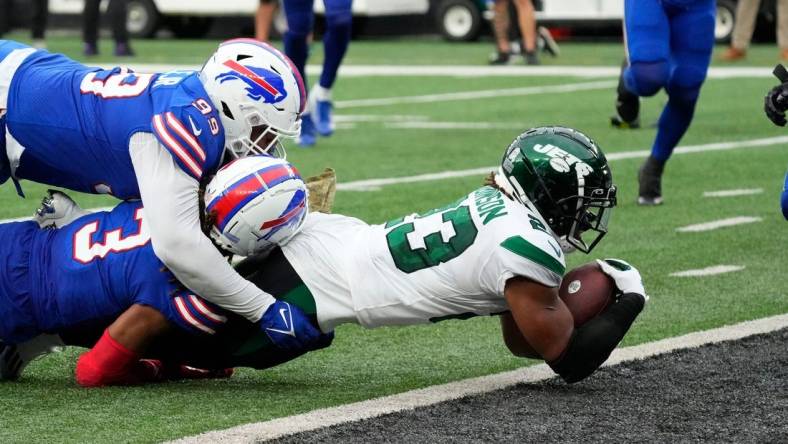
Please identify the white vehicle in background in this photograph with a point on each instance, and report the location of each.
(458, 20)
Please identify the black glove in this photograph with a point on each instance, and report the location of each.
(776, 101)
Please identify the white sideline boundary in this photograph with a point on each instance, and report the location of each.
(376, 184)
(563, 71)
(708, 271)
(478, 94)
(357, 411)
(733, 193)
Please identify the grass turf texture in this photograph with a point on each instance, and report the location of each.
(45, 405)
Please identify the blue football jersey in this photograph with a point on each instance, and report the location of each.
(92, 270)
(75, 123)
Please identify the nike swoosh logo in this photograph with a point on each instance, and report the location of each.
(285, 313)
(195, 130)
(556, 249)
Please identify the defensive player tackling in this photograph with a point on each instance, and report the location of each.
(154, 137)
(495, 251)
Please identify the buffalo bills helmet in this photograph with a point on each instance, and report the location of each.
(258, 93)
(255, 203)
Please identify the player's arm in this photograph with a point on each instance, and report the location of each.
(538, 320)
(114, 360)
(172, 212)
(545, 323)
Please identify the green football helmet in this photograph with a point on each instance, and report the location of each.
(563, 175)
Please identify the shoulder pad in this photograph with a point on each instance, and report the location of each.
(188, 126)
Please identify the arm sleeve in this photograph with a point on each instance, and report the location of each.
(172, 212)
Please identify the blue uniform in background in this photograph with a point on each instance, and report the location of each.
(73, 123)
(669, 45)
(300, 22)
(86, 274)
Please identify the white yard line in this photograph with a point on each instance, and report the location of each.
(717, 224)
(708, 271)
(474, 95)
(455, 125)
(375, 184)
(431, 395)
(354, 118)
(733, 193)
(562, 71)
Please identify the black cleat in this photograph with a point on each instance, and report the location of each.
(531, 58)
(11, 363)
(627, 105)
(650, 182)
(500, 58)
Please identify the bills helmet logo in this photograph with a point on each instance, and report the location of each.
(261, 84)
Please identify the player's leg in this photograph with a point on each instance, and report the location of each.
(90, 25)
(500, 25)
(646, 70)
(117, 15)
(263, 19)
(339, 20)
(692, 42)
(526, 19)
(17, 321)
(300, 20)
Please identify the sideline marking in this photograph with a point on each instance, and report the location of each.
(731, 193)
(717, 224)
(563, 71)
(708, 271)
(454, 125)
(480, 94)
(326, 417)
(376, 184)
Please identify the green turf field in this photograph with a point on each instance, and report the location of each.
(45, 405)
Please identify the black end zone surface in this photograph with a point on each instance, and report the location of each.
(730, 392)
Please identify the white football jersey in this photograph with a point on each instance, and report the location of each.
(451, 262)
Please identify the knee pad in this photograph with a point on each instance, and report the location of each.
(646, 78)
(685, 83)
(684, 96)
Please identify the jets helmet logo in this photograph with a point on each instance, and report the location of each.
(261, 84)
(561, 161)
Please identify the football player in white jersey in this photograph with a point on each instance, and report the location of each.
(495, 251)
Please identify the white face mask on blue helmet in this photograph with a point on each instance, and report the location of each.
(259, 96)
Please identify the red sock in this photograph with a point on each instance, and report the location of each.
(107, 363)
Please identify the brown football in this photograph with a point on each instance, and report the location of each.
(587, 291)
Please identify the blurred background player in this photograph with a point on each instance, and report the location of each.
(38, 20)
(526, 18)
(775, 104)
(116, 10)
(263, 19)
(300, 20)
(669, 45)
(743, 27)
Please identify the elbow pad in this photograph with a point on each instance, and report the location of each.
(592, 343)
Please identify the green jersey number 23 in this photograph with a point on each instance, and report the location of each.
(431, 238)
